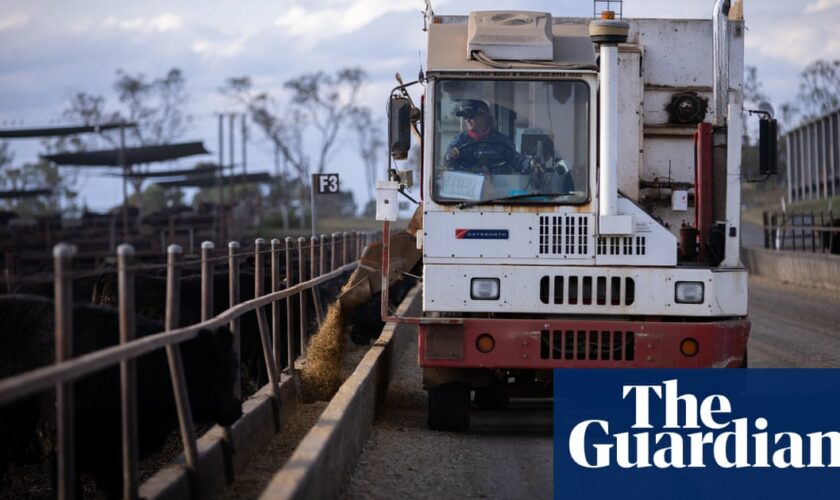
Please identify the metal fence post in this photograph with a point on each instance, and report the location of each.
(322, 254)
(313, 272)
(128, 372)
(173, 355)
(206, 281)
(290, 339)
(333, 259)
(275, 306)
(344, 248)
(784, 232)
(259, 288)
(821, 232)
(234, 294)
(301, 295)
(65, 400)
(802, 226)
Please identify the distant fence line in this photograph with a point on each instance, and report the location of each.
(815, 232)
(328, 258)
(813, 158)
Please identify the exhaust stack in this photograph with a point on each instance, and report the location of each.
(721, 57)
(609, 32)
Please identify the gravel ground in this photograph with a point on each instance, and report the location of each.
(793, 326)
(30, 481)
(505, 455)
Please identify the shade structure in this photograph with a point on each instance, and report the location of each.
(24, 193)
(211, 180)
(188, 172)
(31, 133)
(133, 156)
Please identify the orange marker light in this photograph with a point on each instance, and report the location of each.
(689, 347)
(485, 343)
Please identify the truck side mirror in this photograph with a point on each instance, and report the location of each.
(768, 151)
(399, 127)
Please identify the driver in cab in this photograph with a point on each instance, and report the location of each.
(482, 148)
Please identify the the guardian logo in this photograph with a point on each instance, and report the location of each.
(695, 434)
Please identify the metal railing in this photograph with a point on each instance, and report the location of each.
(343, 248)
(816, 232)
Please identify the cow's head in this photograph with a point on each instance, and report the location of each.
(212, 377)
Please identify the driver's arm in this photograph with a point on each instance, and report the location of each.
(453, 151)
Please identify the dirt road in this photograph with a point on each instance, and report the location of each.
(792, 326)
(506, 454)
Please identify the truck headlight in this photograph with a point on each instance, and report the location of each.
(484, 288)
(689, 292)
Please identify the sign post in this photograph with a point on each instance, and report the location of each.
(322, 184)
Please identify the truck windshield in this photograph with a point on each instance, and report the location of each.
(508, 138)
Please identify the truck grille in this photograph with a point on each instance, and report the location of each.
(622, 245)
(564, 235)
(587, 345)
(579, 290)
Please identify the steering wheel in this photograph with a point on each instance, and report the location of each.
(493, 156)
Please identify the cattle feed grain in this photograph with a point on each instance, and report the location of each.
(321, 375)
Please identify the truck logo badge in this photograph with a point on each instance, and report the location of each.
(482, 234)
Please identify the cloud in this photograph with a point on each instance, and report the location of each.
(801, 44)
(339, 17)
(226, 49)
(160, 24)
(13, 21)
(821, 5)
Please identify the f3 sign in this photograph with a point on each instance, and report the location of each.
(325, 183)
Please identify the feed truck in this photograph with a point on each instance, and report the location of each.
(580, 199)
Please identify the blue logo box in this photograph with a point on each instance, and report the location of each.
(697, 434)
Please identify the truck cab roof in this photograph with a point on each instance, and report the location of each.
(448, 42)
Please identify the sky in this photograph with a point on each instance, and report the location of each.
(50, 50)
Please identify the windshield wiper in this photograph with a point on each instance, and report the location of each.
(522, 196)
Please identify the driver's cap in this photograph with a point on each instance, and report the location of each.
(471, 107)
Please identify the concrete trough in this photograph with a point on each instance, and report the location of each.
(324, 460)
(800, 268)
(223, 454)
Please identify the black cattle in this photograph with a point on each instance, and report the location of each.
(26, 342)
(150, 301)
(83, 288)
(365, 321)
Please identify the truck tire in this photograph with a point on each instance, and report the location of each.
(449, 407)
(491, 398)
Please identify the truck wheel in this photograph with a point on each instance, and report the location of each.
(449, 407)
(492, 398)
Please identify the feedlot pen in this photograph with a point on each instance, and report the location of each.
(289, 276)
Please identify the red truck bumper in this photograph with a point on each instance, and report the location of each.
(546, 344)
